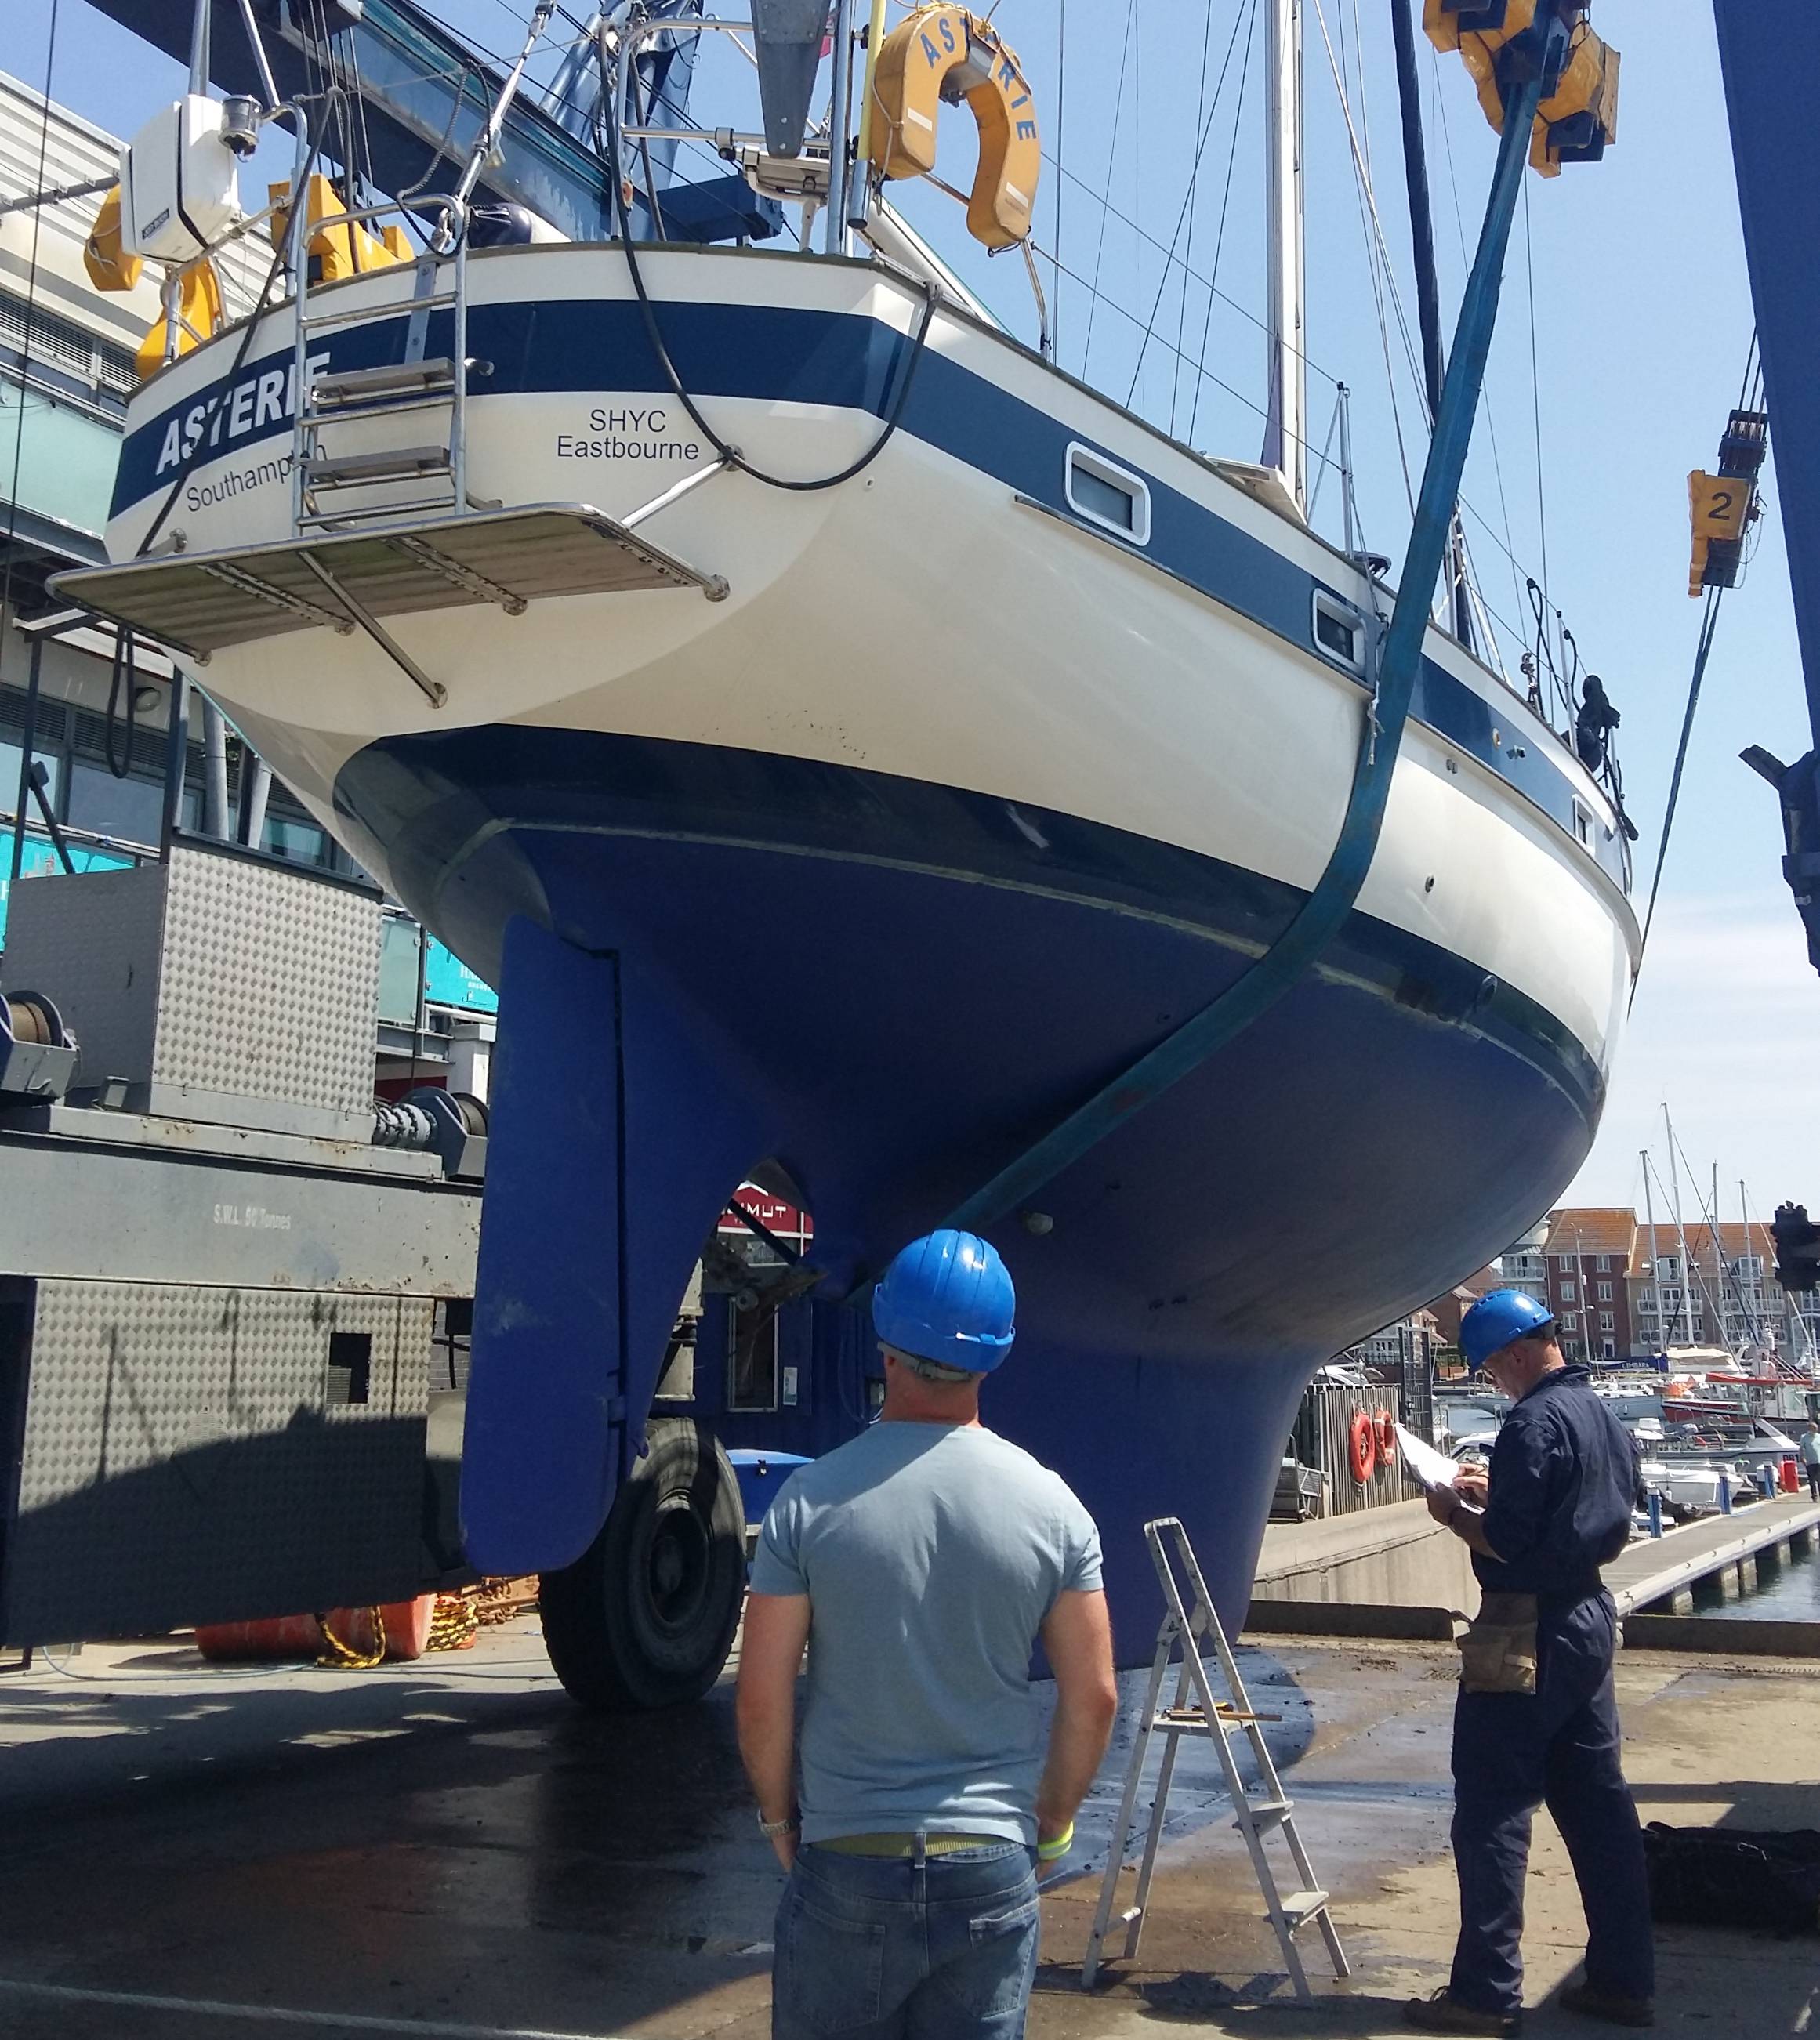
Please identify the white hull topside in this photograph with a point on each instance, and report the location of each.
(921, 621)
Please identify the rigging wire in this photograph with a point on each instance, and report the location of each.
(1213, 278)
(1536, 400)
(1182, 216)
(1225, 297)
(1119, 311)
(1111, 166)
(1193, 194)
(1714, 597)
(1368, 202)
(1490, 418)
(1061, 118)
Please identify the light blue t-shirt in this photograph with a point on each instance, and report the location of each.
(931, 1554)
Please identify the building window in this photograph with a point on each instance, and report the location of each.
(1605, 1292)
(1607, 1350)
(1564, 1262)
(1566, 1293)
(1570, 1322)
(1668, 1268)
(1751, 1268)
(1603, 1264)
(1607, 1322)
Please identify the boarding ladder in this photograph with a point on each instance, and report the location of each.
(418, 469)
(1197, 1710)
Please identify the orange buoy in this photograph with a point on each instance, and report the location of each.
(404, 1625)
(1385, 1425)
(1361, 1447)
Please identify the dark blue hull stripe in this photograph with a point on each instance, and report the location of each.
(402, 794)
(845, 360)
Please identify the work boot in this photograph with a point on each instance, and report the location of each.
(1605, 2004)
(1444, 2013)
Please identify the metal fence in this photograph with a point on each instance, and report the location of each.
(1324, 1438)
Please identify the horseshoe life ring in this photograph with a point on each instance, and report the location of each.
(1361, 1447)
(946, 53)
(1385, 1425)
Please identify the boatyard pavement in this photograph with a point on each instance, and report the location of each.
(450, 1848)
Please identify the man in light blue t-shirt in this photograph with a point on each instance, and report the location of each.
(921, 1562)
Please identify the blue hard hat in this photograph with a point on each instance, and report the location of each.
(1498, 1317)
(947, 1297)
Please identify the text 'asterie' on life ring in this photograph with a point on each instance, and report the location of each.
(945, 53)
(1361, 1447)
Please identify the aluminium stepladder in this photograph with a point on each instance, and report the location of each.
(1196, 1712)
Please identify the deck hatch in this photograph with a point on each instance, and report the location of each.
(201, 603)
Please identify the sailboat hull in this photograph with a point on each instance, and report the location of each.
(958, 802)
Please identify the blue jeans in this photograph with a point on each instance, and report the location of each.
(1558, 1746)
(898, 1948)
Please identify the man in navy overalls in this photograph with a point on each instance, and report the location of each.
(1556, 1506)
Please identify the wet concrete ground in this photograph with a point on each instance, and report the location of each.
(450, 1848)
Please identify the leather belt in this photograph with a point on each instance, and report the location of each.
(906, 1844)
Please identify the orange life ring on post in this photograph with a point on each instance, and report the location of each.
(944, 52)
(1385, 1425)
(1361, 1447)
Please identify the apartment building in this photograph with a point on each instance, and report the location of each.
(1586, 1256)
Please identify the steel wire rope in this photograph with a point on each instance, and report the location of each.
(1106, 207)
(1213, 280)
(1459, 235)
(25, 364)
(1225, 297)
(1119, 311)
(1368, 204)
(730, 455)
(1062, 119)
(1715, 596)
(1187, 204)
(1194, 219)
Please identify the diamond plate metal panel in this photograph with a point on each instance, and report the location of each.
(270, 985)
(90, 941)
(181, 1463)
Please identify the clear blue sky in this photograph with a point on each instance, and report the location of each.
(1642, 319)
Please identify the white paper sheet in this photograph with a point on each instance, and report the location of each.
(1431, 1468)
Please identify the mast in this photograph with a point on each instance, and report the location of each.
(1655, 1278)
(1286, 418)
(1680, 1230)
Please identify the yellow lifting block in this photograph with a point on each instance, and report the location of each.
(109, 266)
(946, 53)
(1720, 506)
(200, 318)
(1578, 120)
(1581, 117)
(340, 251)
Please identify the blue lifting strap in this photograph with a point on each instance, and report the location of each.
(1324, 912)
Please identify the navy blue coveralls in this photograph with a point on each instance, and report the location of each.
(1564, 1478)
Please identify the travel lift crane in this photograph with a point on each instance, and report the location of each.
(1766, 50)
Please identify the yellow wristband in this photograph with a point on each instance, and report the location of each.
(1049, 1851)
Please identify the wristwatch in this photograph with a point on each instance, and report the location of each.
(772, 1830)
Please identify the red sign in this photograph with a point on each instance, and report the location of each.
(773, 1213)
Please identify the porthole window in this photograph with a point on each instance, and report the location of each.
(1339, 631)
(1106, 494)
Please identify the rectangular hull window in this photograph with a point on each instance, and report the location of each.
(1104, 493)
